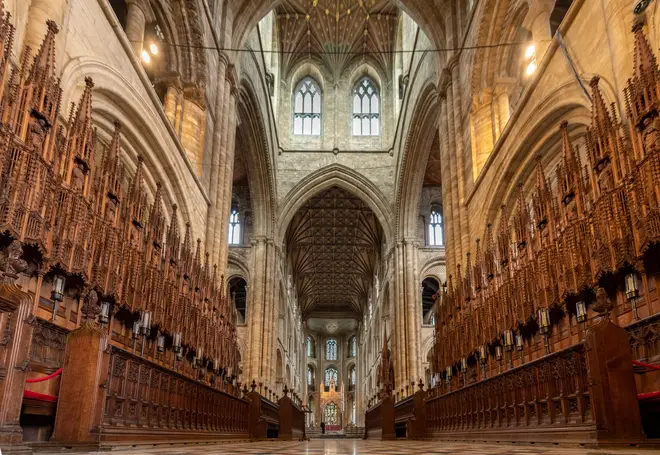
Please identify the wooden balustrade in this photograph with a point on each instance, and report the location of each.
(582, 394)
(292, 420)
(264, 417)
(379, 420)
(146, 401)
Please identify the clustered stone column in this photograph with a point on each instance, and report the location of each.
(407, 309)
(136, 21)
(222, 163)
(457, 230)
(262, 325)
(39, 12)
(445, 170)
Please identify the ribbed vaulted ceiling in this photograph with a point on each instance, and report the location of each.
(333, 243)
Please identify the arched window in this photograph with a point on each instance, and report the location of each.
(331, 350)
(310, 376)
(436, 228)
(352, 377)
(311, 347)
(352, 346)
(238, 293)
(366, 109)
(330, 375)
(234, 228)
(307, 108)
(430, 287)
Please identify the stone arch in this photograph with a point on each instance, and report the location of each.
(142, 129)
(258, 156)
(416, 151)
(536, 137)
(239, 263)
(327, 177)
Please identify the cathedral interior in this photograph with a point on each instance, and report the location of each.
(330, 226)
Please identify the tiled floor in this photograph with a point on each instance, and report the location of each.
(359, 447)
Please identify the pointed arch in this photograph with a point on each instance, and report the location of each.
(327, 177)
(416, 152)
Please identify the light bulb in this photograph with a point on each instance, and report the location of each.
(153, 48)
(531, 68)
(146, 58)
(529, 52)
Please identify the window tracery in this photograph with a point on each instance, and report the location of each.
(307, 109)
(436, 228)
(331, 350)
(234, 235)
(366, 109)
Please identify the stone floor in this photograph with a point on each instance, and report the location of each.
(359, 447)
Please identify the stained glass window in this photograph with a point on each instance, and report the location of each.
(435, 229)
(330, 375)
(310, 377)
(331, 350)
(330, 414)
(352, 378)
(366, 109)
(234, 228)
(307, 109)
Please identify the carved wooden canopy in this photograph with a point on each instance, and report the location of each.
(337, 32)
(333, 244)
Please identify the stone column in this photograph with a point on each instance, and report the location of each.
(460, 157)
(226, 181)
(39, 12)
(216, 148)
(413, 324)
(399, 326)
(270, 300)
(136, 21)
(445, 171)
(256, 310)
(540, 27)
(453, 179)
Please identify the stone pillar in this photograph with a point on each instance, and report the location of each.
(483, 130)
(446, 185)
(413, 323)
(460, 158)
(193, 127)
(136, 21)
(256, 309)
(502, 104)
(82, 399)
(226, 181)
(39, 12)
(453, 179)
(216, 148)
(541, 29)
(15, 312)
(399, 326)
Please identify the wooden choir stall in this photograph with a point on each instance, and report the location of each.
(549, 332)
(115, 328)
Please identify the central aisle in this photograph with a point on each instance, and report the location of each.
(360, 447)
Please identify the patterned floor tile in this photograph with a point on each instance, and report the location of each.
(360, 447)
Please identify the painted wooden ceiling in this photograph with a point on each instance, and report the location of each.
(333, 244)
(337, 32)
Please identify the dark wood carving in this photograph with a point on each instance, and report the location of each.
(292, 419)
